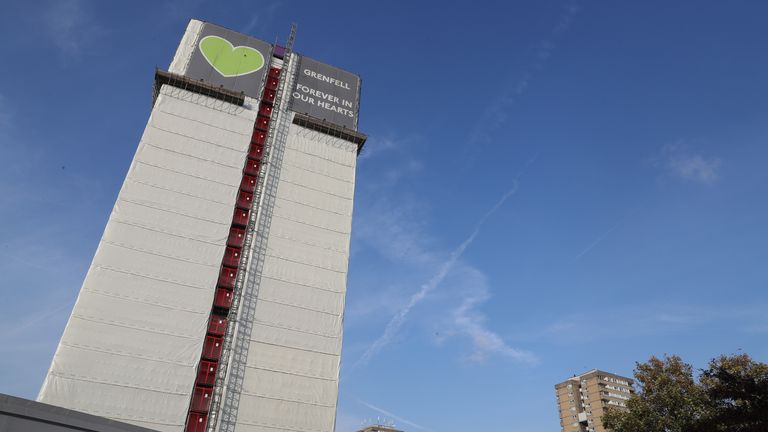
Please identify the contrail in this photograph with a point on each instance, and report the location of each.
(35, 318)
(605, 234)
(597, 241)
(397, 321)
(495, 114)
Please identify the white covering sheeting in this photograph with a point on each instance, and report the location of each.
(186, 48)
(131, 346)
(291, 378)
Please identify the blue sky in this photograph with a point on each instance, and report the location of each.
(548, 187)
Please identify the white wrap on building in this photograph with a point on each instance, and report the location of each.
(292, 374)
(131, 350)
(132, 344)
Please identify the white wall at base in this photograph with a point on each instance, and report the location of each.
(291, 377)
(130, 349)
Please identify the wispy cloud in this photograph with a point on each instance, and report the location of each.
(496, 113)
(649, 320)
(378, 145)
(397, 321)
(70, 26)
(681, 162)
(395, 231)
(381, 302)
(409, 167)
(470, 324)
(394, 416)
(398, 232)
(469, 321)
(400, 148)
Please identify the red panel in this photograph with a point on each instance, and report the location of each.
(201, 399)
(269, 95)
(206, 373)
(240, 218)
(227, 277)
(259, 137)
(262, 123)
(248, 183)
(196, 422)
(256, 151)
(212, 347)
(217, 325)
(244, 200)
(236, 237)
(252, 167)
(223, 298)
(231, 257)
(265, 110)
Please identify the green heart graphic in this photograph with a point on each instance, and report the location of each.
(228, 60)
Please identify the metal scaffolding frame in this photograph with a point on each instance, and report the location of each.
(229, 378)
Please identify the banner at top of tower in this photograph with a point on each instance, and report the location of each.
(238, 62)
(220, 56)
(326, 93)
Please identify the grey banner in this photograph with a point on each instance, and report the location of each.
(327, 93)
(230, 59)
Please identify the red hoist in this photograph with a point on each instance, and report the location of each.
(200, 405)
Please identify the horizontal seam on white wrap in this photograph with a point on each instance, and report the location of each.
(156, 229)
(138, 160)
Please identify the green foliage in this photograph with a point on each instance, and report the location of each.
(730, 396)
(668, 400)
(737, 389)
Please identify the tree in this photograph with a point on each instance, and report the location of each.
(731, 395)
(668, 399)
(737, 390)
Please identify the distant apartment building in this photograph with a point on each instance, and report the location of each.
(582, 399)
(380, 428)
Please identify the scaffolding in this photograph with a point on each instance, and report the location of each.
(234, 355)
